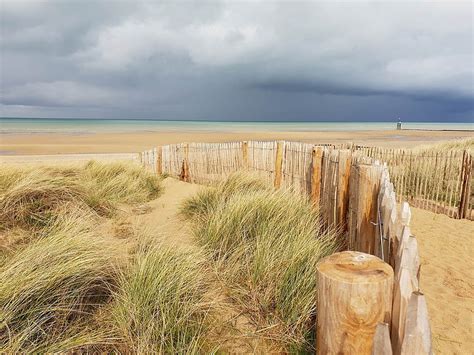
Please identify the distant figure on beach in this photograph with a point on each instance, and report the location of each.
(399, 124)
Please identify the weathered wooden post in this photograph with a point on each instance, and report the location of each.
(159, 160)
(382, 344)
(278, 164)
(342, 201)
(185, 167)
(245, 154)
(465, 185)
(354, 295)
(363, 216)
(316, 165)
(417, 339)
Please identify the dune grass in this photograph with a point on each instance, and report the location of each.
(51, 289)
(160, 307)
(456, 144)
(31, 197)
(266, 244)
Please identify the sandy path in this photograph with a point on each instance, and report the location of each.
(446, 248)
(164, 218)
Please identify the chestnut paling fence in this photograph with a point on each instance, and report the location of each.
(356, 191)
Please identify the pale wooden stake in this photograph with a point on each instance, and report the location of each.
(159, 160)
(382, 344)
(354, 294)
(316, 165)
(245, 154)
(342, 201)
(465, 185)
(278, 164)
(401, 295)
(417, 338)
(364, 189)
(185, 167)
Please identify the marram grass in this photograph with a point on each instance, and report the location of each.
(51, 289)
(32, 197)
(159, 306)
(266, 244)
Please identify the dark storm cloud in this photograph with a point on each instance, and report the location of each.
(237, 60)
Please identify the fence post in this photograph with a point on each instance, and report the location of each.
(465, 185)
(342, 202)
(278, 164)
(417, 339)
(354, 295)
(316, 164)
(159, 160)
(185, 167)
(245, 154)
(382, 343)
(363, 196)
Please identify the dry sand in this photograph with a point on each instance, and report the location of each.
(62, 143)
(447, 264)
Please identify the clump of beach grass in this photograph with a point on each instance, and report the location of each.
(31, 197)
(266, 245)
(160, 306)
(51, 289)
(455, 144)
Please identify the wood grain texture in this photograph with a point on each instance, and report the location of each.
(354, 295)
(316, 165)
(278, 164)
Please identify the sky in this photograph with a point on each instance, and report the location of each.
(245, 60)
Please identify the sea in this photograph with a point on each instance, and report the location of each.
(85, 126)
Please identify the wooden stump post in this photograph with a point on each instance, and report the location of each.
(354, 295)
(316, 163)
(245, 155)
(159, 160)
(278, 164)
(363, 196)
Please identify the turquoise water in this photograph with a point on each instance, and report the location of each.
(82, 126)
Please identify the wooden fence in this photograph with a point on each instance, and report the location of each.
(442, 182)
(355, 193)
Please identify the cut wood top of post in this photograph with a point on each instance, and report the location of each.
(355, 267)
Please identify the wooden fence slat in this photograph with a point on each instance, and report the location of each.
(316, 166)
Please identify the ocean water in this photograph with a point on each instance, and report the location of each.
(83, 126)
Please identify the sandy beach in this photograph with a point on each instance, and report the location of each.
(68, 143)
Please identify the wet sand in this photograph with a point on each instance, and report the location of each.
(66, 143)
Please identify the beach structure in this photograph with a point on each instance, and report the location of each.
(379, 304)
(399, 125)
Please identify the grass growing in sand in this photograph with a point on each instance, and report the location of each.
(160, 304)
(69, 288)
(266, 245)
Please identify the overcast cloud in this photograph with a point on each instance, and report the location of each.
(227, 60)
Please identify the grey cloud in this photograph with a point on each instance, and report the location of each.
(237, 60)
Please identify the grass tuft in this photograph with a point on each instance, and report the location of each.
(267, 244)
(160, 305)
(51, 288)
